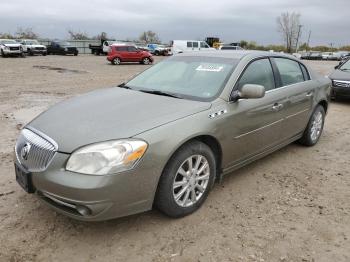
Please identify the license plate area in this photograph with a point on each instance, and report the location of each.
(24, 179)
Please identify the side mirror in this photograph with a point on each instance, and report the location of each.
(249, 91)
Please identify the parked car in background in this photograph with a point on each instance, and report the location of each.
(103, 48)
(157, 49)
(338, 56)
(163, 138)
(182, 46)
(120, 53)
(315, 56)
(327, 55)
(33, 47)
(143, 48)
(341, 80)
(62, 48)
(345, 58)
(9, 47)
(230, 47)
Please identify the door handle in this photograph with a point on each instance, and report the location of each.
(277, 107)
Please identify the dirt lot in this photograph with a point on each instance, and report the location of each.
(290, 206)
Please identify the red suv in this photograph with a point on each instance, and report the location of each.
(128, 53)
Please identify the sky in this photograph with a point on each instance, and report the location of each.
(230, 20)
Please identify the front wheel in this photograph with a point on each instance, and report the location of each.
(186, 180)
(314, 128)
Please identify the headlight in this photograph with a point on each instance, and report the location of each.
(107, 158)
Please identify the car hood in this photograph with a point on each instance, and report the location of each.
(36, 46)
(12, 45)
(340, 75)
(107, 114)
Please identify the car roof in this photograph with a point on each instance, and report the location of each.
(236, 54)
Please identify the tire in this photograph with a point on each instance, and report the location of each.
(44, 54)
(189, 193)
(75, 54)
(146, 61)
(314, 128)
(116, 61)
(157, 53)
(2, 53)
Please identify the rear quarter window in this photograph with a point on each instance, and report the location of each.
(290, 71)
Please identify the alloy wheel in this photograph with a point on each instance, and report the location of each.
(191, 180)
(316, 127)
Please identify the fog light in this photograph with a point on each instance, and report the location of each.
(84, 211)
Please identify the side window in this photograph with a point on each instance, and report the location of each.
(258, 72)
(189, 44)
(122, 48)
(132, 49)
(204, 45)
(290, 71)
(305, 72)
(195, 44)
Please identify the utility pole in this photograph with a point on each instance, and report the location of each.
(298, 37)
(308, 40)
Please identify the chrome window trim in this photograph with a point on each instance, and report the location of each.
(276, 88)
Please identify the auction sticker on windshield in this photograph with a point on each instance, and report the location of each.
(209, 68)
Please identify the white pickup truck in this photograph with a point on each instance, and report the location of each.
(32, 47)
(9, 47)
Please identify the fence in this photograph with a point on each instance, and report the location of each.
(82, 45)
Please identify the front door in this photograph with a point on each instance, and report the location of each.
(252, 126)
(134, 54)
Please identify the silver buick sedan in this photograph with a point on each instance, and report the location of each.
(163, 138)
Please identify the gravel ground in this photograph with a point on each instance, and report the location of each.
(290, 206)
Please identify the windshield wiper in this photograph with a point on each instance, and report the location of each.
(161, 93)
(123, 85)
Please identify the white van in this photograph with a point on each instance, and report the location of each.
(181, 46)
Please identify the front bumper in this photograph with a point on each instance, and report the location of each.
(36, 51)
(96, 198)
(340, 91)
(12, 52)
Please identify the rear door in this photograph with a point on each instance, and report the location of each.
(299, 90)
(253, 125)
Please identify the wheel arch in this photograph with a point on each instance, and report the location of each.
(211, 142)
(324, 104)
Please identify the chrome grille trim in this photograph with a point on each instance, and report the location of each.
(40, 150)
(341, 83)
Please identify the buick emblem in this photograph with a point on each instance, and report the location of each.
(25, 151)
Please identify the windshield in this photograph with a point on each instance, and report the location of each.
(32, 42)
(4, 42)
(65, 44)
(195, 78)
(345, 66)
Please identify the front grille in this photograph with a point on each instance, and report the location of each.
(14, 48)
(341, 83)
(34, 150)
(39, 48)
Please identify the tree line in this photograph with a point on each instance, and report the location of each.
(287, 24)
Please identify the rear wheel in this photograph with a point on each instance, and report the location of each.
(186, 180)
(146, 61)
(116, 61)
(314, 128)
